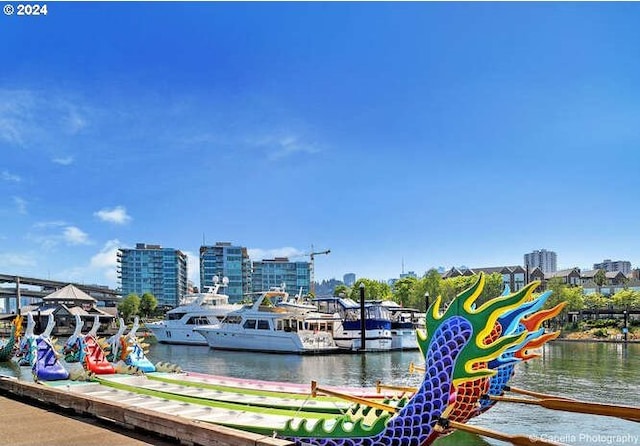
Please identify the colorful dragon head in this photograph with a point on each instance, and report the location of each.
(462, 347)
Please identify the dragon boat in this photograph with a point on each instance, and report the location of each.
(10, 345)
(470, 351)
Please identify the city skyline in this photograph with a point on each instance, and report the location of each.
(415, 134)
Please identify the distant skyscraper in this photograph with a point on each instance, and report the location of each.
(225, 260)
(349, 279)
(153, 269)
(543, 259)
(623, 266)
(269, 273)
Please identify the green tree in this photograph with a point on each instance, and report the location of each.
(595, 301)
(493, 287)
(574, 297)
(431, 282)
(129, 306)
(600, 278)
(339, 289)
(403, 290)
(373, 290)
(148, 304)
(626, 299)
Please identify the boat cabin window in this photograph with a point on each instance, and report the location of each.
(233, 319)
(263, 324)
(250, 324)
(175, 316)
(286, 325)
(198, 320)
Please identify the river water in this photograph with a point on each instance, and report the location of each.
(600, 372)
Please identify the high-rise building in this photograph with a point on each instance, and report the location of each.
(543, 259)
(269, 273)
(624, 266)
(153, 269)
(349, 279)
(225, 260)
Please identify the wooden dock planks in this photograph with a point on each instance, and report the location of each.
(185, 430)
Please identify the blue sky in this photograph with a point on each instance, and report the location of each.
(438, 134)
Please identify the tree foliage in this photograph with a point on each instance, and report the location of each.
(148, 304)
(129, 307)
(341, 289)
(595, 301)
(626, 299)
(600, 277)
(373, 290)
(403, 289)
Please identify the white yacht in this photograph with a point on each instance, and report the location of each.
(267, 327)
(195, 310)
(404, 323)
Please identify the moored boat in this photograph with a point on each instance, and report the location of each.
(404, 323)
(197, 309)
(348, 334)
(267, 327)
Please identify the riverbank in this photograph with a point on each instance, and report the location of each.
(605, 334)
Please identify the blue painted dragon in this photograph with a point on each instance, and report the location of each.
(462, 344)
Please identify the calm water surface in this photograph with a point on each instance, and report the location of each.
(599, 372)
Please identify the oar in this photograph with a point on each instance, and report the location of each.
(356, 399)
(610, 410)
(532, 393)
(415, 368)
(518, 440)
(408, 389)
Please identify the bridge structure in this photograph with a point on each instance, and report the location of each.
(16, 287)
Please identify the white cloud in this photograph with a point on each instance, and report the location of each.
(107, 261)
(75, 236)
(117, 215)
(100, 270)
(289, 145)
(49, 224)
(29, 117)
(280, 146)
(8, 176)
(12, 260)
(74, 122)
(15, 115)
(63, 161)
(287, 251)
(21, 205)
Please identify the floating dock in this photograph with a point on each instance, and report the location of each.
(153, 422)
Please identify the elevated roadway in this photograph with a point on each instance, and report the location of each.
(14, 287)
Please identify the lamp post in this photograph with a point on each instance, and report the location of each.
(426, 301)
(363, 321)
(625, 329)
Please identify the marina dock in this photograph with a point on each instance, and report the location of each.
(27, 424)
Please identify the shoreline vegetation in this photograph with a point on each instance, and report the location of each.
(602, 330)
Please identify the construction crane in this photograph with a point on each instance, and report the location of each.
(312, 254)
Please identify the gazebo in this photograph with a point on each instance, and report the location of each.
(64, 304)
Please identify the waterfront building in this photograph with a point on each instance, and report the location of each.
(349, 279)
(624, 266)
(153, 269)
(226, 260)
(569, 276)
(268, 273)
(543, 259)
(512, 276)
